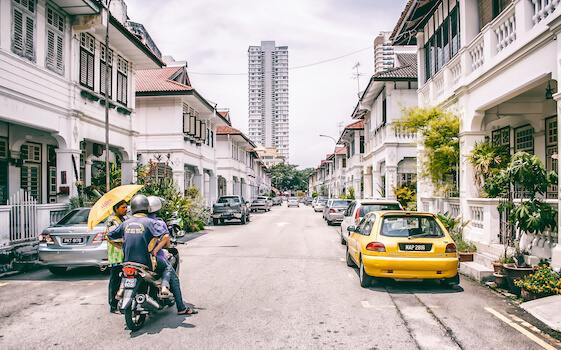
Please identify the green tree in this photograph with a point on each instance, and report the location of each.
(287, 177)
(439, 134)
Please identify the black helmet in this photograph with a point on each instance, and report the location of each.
(155, 204)
(139, 204)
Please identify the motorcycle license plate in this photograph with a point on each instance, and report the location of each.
(130, 283)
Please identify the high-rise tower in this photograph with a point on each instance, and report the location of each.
(268, 96)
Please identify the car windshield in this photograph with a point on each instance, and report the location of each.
(228, 200)
(322, 202)
(411, 226)
(75, 217)
(340, 203)
(292, 199)
(258, 201)
(367, 208)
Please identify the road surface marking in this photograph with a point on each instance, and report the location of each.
(82, 283)
(4, 284)
(535, 330)
(367, 305)
(520, 329)
(342, 260)
(281, 224)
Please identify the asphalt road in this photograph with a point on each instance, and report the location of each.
(279, 282)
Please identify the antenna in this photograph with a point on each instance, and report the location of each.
(357, 77)
(340, 127)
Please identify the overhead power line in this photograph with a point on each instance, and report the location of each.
(292, 68)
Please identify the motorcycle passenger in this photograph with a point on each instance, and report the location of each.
(115, 254)
(155, 205)
(138, 236)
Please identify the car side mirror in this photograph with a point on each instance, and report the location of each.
(351, 228)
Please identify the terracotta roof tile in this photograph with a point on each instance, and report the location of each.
(358, 125)
(151, 80)
(407, 70)
(227, 130)
(342, 150)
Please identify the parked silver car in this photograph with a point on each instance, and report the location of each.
(360, 207)
(334, 213)
(69, 244)
(319, 205)
(293, 202)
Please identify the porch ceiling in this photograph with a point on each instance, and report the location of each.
(78, 7)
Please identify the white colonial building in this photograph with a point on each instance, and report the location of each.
(177, 129)
(240, 170)
(388, 156)
(496, 64)
(53, 61)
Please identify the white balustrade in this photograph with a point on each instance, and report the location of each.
(477, 57)
(477, 216)
(543, 8)
(506, 31)
(456, 71)
(439, 86)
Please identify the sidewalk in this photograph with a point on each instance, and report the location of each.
(547, 310)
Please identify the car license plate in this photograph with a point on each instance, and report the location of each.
(73, 240)
(410, 247)
(130, 283)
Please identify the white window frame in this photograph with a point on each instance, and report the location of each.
(122, 80)
(87, 57)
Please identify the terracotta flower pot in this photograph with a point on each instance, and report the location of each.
(465, 256)
(500, 280)
(527, 295)
(498, 267)
(516, 273)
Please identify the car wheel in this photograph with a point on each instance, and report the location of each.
(215, 222)
(329, 223)
(343, 242)
(365, 279)
(350, 262)
(450, 282)
(58, 270)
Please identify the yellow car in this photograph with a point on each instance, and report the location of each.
(402, 244)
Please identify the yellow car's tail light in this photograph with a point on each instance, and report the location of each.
(450, 248)
(376, 247)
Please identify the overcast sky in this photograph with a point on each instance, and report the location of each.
(213, 36)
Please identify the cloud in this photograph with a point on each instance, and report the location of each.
(213, 37)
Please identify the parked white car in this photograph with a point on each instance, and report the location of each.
(360, 207)
(293, 202)
(319, 205)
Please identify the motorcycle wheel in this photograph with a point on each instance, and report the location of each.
(134, 320)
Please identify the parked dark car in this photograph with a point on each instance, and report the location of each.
(228, 208)
(277, 200)
(259, 204)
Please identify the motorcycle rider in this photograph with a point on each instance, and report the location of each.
(138, 238)
(155, 205)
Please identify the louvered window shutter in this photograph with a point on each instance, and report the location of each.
(17, 43)
(55, 41)
(87, 47)
(29, 30)
(83, 67)
(51, 49)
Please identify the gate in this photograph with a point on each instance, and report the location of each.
(505, 227)
(23, 217)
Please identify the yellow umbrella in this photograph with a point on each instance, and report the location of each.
(104, 206)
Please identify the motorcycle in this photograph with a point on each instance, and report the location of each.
(141, 291)
(174, 226)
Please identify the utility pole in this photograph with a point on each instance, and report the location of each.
(357, 77)
(107, 80)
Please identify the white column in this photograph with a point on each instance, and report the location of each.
(198, 180)
(213, 190)
(66, 171)
(127, 172)
(179, 180)
(556, 252)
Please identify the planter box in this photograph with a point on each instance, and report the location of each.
(514, 273)
(466, 256)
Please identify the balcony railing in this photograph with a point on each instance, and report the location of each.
(520, 23)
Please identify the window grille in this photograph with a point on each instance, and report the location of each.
(524, 139)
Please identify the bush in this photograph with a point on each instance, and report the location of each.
(542, 282)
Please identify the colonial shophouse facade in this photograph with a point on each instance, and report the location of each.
(52, 107)
(496, 64)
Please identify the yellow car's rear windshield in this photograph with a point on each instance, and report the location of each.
(411, 226)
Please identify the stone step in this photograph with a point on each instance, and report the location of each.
(485, 259)
(477, 271)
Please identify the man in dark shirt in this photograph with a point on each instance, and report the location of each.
(139, 236)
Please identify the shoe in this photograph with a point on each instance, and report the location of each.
(115, 311)
(188, 311)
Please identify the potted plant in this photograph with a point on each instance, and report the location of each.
(532, 215)
(543, 282)
(455, 227)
